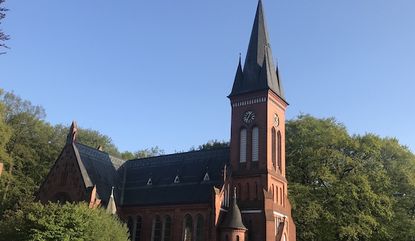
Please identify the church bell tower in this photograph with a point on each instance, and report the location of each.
(258, 141)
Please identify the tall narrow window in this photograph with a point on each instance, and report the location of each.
(247, 191)
(274, 147)
(167, 229)
(156, 231)
(138, 229)
(273, 193)
(255, 144)
(256, 190)
(237, 237)
(242, 146)
(279, 151)
(130, 225)
(200, 225)
(239, 192)
(188, 228)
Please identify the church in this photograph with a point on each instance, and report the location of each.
(235, 193)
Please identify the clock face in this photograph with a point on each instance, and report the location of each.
(276, 120)
(248, 117)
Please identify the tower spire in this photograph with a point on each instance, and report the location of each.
(258, 57)
(71, 138)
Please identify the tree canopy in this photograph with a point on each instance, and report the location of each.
(66, 222)
(344, 187)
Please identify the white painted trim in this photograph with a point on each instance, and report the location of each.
(280, 214)
(251, 211)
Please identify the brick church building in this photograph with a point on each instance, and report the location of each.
(235, 193)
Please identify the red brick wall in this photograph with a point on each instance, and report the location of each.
(177, 213)
(64, 179)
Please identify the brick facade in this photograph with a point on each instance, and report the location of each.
(188, 196)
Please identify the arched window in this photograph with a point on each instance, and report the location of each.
(200, 225)
(138, 228)
(282, 197)
(256, 190)
(156, 231)
(242, 146)
(274, 147)
(130, 226)
(279, 151)
(167, 229)
(239, 192)
(237, 237)
(188, 228)
(276, 195)
(273, 193)
(247, 191)
(255, 144)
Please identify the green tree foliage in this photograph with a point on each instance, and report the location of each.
(3, 37)
(32, 147)
(342, 187)
(71, 222)
(212, 144)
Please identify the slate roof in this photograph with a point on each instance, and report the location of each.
(233, 218)
(259, 72)
(190, 167)
(101, 169)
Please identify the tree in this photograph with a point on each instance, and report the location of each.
(54, 221)
(212, 144)
(3, 37)
(342, 186)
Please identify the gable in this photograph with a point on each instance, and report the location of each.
(65, 181)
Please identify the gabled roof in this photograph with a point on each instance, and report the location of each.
(259, 72)
(190, 167)
(99, 168)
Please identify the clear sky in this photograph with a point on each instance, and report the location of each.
(150, 73)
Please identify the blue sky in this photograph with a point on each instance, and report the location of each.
(150, 73)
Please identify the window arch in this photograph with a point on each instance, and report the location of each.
(167, 229)
(274, 147)
(188, 228)
(255, 144)
(242, 146)
(138, 225)
(237, 237)
(279, 151)
(156, 230)
(200, 224)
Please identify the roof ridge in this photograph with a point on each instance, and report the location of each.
(179, 153)
(103, 152)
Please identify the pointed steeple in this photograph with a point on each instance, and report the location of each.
(233, 218)
(239, 77)
(258, 58)
(71, 138)
(111, 207)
